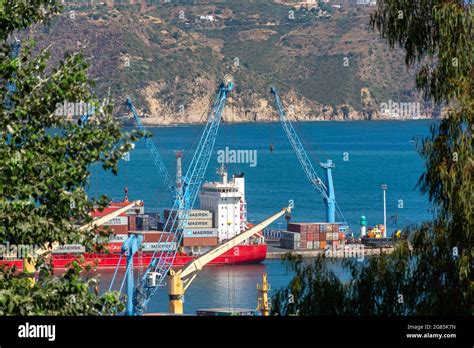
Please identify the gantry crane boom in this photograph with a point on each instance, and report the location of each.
(155, 154)
(162, 260)
(179, 281)
(102, 220)
(325, 189)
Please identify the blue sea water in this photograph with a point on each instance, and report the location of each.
(382, 152)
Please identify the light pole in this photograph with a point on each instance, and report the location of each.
(384, 189)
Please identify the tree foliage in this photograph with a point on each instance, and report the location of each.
(429, 273)
(45, 161)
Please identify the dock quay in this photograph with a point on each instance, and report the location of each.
(274, 251)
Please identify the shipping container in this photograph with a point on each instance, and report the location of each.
(162, 246)
(303, 227)
(342, 236)
(204, 232)
(117, 221)
(310, 236)
(294, 227)
(328, 235)
(200, 241)
(154, 221)
(316, 244)
(115, 229)
(132, 222)
(194, 214)
(68, 249)
(114, 247)
(118, 238)
(157, 236)
(288, 244)
(202, 223)
(143, 223)
(309, 245)
(193, 224)
(335, 236)
(322, 236)
(316, 236)
(343, 228)
(322, 244)
(290, 235)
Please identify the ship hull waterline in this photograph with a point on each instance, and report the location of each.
(239, 255)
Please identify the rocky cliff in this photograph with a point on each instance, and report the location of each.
(171, 57)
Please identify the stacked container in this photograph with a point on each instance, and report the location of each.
(312, 235)
(198, 230)
(289, 240)
(116, 225)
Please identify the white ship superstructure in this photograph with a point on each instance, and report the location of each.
(226, 199)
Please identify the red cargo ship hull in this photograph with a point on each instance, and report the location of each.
(239, 255)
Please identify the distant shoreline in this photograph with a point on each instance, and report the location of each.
(175, 125)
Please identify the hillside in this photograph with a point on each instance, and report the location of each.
(169, 59)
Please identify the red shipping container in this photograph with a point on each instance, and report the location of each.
(132, 222)
(119, 229)
(294, 227)
(342, 236)
(316, 236)
(200, 241)
(310, 237)
(153, 237)
(115, 229)
(113, 247)
(322, 236)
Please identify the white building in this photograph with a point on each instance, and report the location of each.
(209, 18)
(226, 199)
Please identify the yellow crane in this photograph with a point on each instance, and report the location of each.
(29, 266)
(179, 281)
(264, 305)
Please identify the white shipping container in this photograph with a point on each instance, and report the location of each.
(201, 223)
(68, 248)
(204, 232)
(118, 238)
(309, 245)
(117, 221)
(195, 214)
(163, 246)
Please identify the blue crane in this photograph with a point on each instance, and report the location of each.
(162, 259)
(155, 154)
(326, 189)
(85, 118)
